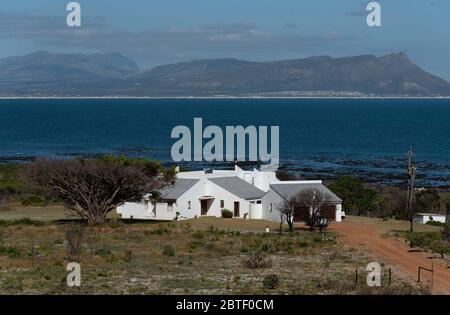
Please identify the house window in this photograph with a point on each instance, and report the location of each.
(222, 203)
(189, 205)
(170, 206)
(271, 208)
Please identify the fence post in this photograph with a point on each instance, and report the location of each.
(390, 276)
(432, 274)
(418, 274)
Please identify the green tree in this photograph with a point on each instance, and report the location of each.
(428, 200)
(357, 200)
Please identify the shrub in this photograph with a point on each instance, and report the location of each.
(271, 282)
(439, 247)
(35, 200)
(2, 235)
(267, 247)
(168, 251)
(10, 251)
(303, 244)
(227, 214)
(199, 235)
(317, 239)
(128, 254)
(422, 239)
(22, 221)
(208, 246)
(257, 259)
(435, 223)
(74, 237)
(159, 230)
(103, 251)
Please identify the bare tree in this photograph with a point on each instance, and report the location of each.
(287, 212)
(310, 203)
(307, 203)
(93, 188)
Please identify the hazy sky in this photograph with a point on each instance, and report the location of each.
(154, 32)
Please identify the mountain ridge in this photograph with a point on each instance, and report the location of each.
(45, 74)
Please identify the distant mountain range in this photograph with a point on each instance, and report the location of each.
(45, 74)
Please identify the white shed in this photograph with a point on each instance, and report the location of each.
(423, 218)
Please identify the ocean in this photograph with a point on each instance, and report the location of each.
(319, 138)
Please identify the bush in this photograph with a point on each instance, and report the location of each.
(227, 214)
(199, 235)
(35, 200)
(103, 251)
(429, 240)
(267, 247)
(22, 221)
(74, 237)
(168, 251)
(435, 223)
(10, 251)
(271, 282)
(421, 239)
(209, 246)
(159, 230)
(257, 259)
(317, 239)
(440, 248)
(128, 255)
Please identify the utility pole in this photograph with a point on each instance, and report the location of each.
(410, 193)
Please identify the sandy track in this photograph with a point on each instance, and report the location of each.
(395, 252)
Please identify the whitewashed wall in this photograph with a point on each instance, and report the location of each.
(202, 188)
(271, 201)
(425, 218)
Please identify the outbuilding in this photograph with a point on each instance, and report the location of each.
(423, 218)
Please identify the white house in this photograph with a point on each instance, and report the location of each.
(248, 194)
(284, 190)
(423, 218)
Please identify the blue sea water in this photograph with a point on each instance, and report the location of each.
(319, 138)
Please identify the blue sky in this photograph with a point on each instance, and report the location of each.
(154, 32)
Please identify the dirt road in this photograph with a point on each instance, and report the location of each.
(393, 251)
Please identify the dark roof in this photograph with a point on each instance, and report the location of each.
(175, 191)
(289, 190)
(238, 187)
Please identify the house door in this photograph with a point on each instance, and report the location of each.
(204, 207)
(236, 209)
(301, 214)
(329, 212)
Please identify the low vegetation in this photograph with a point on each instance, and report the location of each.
(386, 201)
(228, 214)
(199, 256)
(433, 241)
(271, 281)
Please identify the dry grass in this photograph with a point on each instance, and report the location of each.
(392, 226)
(123, 258)
(47, 213)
